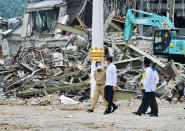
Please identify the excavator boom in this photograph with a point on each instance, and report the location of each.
(150, 19)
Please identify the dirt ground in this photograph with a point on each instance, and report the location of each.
(75, 118)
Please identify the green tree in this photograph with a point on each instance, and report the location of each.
(12, 8)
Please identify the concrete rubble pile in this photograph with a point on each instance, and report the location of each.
(129, 57)
(54, 57)
(34, 69)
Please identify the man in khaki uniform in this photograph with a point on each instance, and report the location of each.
(100, 77)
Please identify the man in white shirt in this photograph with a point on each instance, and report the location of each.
(156, 79)
(110, 85)
(149, 91)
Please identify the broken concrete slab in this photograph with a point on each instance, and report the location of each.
(71, 29)
(108, 20)
(44, 5)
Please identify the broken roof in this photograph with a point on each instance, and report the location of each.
(44, 5)
(3, 21)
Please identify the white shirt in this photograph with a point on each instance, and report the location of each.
(149, 83)
(156, 76)
(111, 75)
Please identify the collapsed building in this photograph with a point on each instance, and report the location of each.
(47, 51)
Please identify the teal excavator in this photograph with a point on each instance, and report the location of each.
(166, 38)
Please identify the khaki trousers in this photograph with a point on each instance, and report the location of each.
(99, 90)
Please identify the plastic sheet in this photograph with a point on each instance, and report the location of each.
(67, 101)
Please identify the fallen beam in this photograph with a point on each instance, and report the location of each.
(115, 32)
(26, 66)
(129, 60)
(7, 71)
(56, 78)
(173, 87)
(116, 48)
(23, 80)
(71, 29)
(134, 63)
(115, 26)
(108, 20)
(73, 88)
(155, 60)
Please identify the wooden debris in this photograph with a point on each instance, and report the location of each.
(82, 23)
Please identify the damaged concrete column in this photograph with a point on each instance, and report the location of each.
(97, 51)
(5, 47)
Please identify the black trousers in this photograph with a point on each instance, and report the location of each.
(148, 100)
(108, 94)
(147, 106)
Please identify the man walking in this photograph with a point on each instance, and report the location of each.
(156, 79)
(100, 77)
(110, 85)
(149, 91)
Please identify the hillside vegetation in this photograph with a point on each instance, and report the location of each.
(12, 8)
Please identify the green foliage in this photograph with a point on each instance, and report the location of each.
(12, 8)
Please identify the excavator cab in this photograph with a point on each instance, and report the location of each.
(162, 40)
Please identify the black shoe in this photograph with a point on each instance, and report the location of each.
(149, 113)
(114, 108)
(152, 115)
(137, 113)
(90, 110)
(107, 112)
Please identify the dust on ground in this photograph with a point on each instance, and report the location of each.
(75, 118)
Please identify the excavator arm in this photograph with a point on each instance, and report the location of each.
(150, 19)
